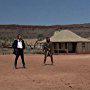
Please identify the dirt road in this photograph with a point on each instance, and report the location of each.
(69, 72)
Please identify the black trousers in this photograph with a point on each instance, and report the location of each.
(20, 52)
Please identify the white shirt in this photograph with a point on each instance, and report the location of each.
(19, 45)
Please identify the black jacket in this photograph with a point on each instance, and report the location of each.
(14, 45)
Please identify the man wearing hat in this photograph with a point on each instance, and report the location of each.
(47, 48)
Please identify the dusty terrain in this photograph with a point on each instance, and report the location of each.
(69, 72)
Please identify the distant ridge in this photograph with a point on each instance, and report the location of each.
(54, 27)
(34, 31)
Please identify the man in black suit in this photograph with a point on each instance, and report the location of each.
(19, 46)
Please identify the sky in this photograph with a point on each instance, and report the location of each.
(44, 12)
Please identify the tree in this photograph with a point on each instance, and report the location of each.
(40, 36)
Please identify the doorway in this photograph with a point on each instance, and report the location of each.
(72, 47)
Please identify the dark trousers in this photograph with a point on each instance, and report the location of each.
(48, 55)
(19, 53)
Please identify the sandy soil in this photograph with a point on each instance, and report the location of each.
(69, 72)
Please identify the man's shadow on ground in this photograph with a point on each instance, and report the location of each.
(20, 68)
(47, 64)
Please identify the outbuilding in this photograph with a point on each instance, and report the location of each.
(65, 41)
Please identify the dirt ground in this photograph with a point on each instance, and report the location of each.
(69, 72)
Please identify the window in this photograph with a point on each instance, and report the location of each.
(55, 45)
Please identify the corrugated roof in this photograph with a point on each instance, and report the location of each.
(67, 36)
